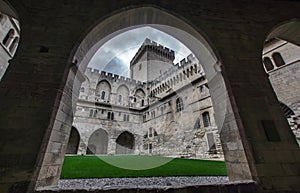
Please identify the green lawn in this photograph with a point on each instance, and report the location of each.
(98, 167)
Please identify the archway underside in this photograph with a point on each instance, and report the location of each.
(37, 92)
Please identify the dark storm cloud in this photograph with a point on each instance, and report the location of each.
(117, 53)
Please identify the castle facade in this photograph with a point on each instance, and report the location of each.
(162, 109)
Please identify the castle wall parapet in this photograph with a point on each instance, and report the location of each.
(153, 46)
(181, 74)
(111, 77)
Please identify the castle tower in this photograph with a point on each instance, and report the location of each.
(150, 61)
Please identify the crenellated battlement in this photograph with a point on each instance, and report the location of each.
(111, 77)
(185, 63)
(149, 45)
(181, 72)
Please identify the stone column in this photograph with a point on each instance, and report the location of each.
(111, 148)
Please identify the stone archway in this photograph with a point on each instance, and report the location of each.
(225, 116)
(98, 142)
(202, 50)
(73, 143)
(236, 131)
(125, 143)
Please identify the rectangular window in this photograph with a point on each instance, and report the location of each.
(112, 116)
(201, 88)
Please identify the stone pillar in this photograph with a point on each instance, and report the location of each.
(111, 148)
(82, 148)
(56, 138)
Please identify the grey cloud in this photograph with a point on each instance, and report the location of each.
(112, 52)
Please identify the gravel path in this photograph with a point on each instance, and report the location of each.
(153, 182)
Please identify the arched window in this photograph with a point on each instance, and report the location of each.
(268, 64)
(13, 45)
(82, 89)
(206, 119)
(103, 95)
(120, 99)
(103, 90)
(8, 38)
(108, 115)
(179, 104)
(143, 102)
(278, 59)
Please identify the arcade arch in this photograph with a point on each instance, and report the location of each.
(98, 142)
(163, 21)
(73, 142)
(103, 91)
(123, 95)
(125, 143)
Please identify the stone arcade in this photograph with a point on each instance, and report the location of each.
(57, 39)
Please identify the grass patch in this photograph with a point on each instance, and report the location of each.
(95, 167)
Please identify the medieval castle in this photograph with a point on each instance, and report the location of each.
(162, 109)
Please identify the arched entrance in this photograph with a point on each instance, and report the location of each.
(202, 50)
(98, 142)
(73, 143)
(125, 143)
(237, 130)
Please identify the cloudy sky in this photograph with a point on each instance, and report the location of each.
(115, 55)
